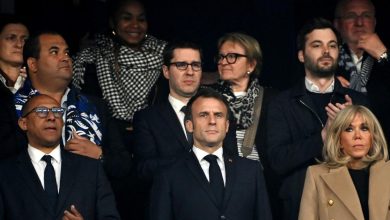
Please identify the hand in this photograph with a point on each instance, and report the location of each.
(372, 44)
(83, 146)
(343, 81)
(73, 214)
(23, 72)
(332, 110)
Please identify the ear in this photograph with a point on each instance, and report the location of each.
(189, 126)
(22, 124)
(165, 71)
(252, 66)
(227, 125)
(32, 65)
(301, 57)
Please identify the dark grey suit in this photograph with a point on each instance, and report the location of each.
(182, 192)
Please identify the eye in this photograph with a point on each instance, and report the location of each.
(181, 64)
(349, 129)
(11, 37)
(202, 114)
(231, 56)
(334, 46)
(364, 128)
(55, 52)
(219, 115)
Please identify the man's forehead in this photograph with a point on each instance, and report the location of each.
(322, 35)
(52, 40)
(207, 104)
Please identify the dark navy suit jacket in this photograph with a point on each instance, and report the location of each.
(183, 192)
(83, 184)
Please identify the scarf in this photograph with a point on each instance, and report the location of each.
(80, 115)
(358, 81)
(125, 76)
(241, 107)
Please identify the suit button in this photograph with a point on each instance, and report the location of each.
(223, 217)
(330, 202)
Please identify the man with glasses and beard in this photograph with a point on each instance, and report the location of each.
(296, 128)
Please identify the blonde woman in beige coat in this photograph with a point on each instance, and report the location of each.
(353, 181)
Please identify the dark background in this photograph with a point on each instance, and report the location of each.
(274, 23)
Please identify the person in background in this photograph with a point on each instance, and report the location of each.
(351, 182)
(296, 128)
(13, 34)
(364, 63)
(123, 65)
(240, 60)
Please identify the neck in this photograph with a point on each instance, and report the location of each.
(10, 73)
(356, 50)
(356, 164)
(240, 85)
(181, 98)
(322, 83)
(208, 149)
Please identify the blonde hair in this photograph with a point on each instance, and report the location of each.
(250, 45)
(333, 156)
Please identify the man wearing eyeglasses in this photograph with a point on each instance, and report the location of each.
(159, 132)
(364, 64)
(46, 182)
(88, 130)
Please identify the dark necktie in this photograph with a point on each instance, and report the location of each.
(216, 180)
(189, 134)
(50, 181)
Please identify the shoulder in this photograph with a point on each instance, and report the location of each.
(151, 110)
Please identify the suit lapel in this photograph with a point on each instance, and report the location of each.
(340, 182)
(32, 180)
(69, 172)
(171, 119)
(231, 176)
(196, 170)
(379, 186)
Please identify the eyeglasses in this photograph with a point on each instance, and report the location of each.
(42, 112)
(231, 58)
(367, 16)
(196, 66)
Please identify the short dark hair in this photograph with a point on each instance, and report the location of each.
(32, 48)
(206, 93)
(311, 25)
(6, 19)
(178, 44)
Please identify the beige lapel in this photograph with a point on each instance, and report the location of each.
(340, 182)
(378, 190)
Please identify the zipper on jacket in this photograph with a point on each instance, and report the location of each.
(315, 113)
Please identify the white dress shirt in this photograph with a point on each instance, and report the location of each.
(200, 154)
(177, 105)
(40, 165)
(18, 83)
(357, 61)
(315, 89)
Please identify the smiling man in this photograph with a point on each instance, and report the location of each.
(54, 183)
(296, 128)
(209, 183)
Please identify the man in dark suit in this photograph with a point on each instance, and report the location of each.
(208, 183)
(64, 186)
(159, 134)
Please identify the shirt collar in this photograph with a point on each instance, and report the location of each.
(176, 103)
(19, 83)
(200, 154)
(36, 155)
(65, 98)
(315, 89)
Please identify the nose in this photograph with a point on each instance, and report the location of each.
(212, 120)
(20, 43)
(357, 134)
(359, 20)
(50, 116)
(189, 70)
(326, 50)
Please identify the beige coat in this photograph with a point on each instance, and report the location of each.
(329, 194)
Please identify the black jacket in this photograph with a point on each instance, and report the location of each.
(294, 138)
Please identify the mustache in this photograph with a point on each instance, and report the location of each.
(326, 56)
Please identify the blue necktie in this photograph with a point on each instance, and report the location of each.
(50, 181)
(216, 180)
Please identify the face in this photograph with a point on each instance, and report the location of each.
(238, 71)
(356, 141)
(320, 54)
(183, 83)
(12, 40)
(131, 25)
(54, 62)
(357, 19)
(209, 123)
(42, 132)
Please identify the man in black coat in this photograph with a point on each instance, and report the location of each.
(299, 116)
(66, 186)
(208, 183)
